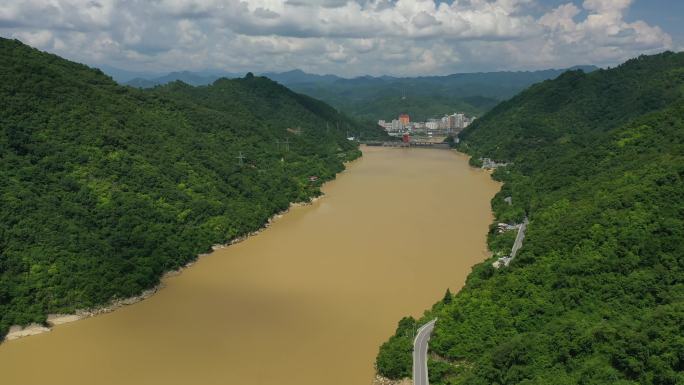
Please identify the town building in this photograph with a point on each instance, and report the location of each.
(432, 124)
(449, 124)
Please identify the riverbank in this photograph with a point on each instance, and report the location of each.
(380, 380)
(395, 346)
(306, 290)
(18, 331)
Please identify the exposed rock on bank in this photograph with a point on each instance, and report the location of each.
(17, 331)
(380, 380)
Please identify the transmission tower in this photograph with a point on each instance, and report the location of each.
(241, 159)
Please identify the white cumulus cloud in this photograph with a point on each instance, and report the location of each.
(401, 37)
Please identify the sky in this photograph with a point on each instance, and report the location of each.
(346, 37)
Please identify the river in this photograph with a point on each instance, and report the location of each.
(307, 301)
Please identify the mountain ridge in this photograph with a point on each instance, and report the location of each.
(370, 98)
(299, 76)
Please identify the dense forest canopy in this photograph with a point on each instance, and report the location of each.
(104, 187)
(596, 295)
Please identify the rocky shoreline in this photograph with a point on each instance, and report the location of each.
(17, 331)
(380, 380)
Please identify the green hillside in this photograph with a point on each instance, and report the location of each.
(369, 99)
(372, 98)
(375, 100)
(596, 295)
(103, 187)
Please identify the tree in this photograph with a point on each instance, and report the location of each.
(447, 297)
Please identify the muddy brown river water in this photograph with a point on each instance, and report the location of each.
(307, 301)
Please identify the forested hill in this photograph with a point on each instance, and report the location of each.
(373, 98)
(596, 295)
(104, 187)
(369, 98)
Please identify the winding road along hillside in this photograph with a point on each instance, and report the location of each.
(420, 347)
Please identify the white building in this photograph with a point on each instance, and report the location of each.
(459, 120)
(432, 124)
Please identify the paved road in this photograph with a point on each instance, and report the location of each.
(519, 238)
(420, 347)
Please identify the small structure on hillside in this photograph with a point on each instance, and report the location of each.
(505, 260)
(489, 164)
(501, 262)
(503, 227)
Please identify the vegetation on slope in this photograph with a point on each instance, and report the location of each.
(103, 187)
(388, 101)
(596, 295)
(369, 99)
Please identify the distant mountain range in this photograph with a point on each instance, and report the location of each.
(371, 98)
(205, 78)
(192, 78)
(299, 77)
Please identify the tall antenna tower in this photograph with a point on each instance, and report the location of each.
(285, 143)
(241, 159)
